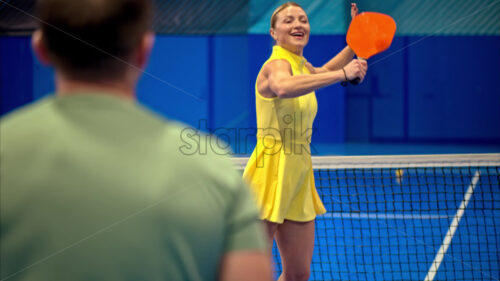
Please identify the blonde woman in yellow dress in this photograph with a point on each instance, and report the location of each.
(280, 170)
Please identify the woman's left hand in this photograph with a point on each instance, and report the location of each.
(354, 10)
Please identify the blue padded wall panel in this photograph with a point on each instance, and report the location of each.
(230, 72)
(329, 125)
(454, 92)
(381, 99)
(231, 107)
(175, 83)
(436, 89)
(386, 76)
(358, 119)
(43, 80)
(260, 48)
(16, 75)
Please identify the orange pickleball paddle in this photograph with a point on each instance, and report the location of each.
(370, 33)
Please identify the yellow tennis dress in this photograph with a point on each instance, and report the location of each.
(280, 169)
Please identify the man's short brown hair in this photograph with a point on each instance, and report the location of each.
(93, 39)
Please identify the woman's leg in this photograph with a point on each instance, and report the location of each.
(271, 228)
(296, 244)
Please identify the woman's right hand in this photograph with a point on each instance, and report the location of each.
(356, 68)
(354, 10)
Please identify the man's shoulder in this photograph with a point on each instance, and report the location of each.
(25, 116)
(196, 154)
(207, 154)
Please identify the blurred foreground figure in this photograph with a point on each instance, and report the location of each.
(94, 186)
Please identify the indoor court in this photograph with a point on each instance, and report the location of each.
(407, 163)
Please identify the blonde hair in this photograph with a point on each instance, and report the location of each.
(274, 17)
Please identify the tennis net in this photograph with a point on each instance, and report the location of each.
(406, 217)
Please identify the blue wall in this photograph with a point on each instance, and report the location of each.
(175, 82)
(436, 89)
(439, 89)
(16, 72)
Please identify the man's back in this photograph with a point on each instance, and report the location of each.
(96, 188)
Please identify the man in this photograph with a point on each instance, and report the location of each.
(94, 187)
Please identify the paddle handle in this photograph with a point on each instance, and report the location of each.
(356, 80)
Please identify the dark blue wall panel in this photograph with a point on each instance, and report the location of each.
(230, 81)
(329, 125)
(454, 88)
(260, 48)
(16, 73)
(43, 80)
(233, 102)
(175, 83)
(423, 89)
(429, 89)
(376, 108)
(387, 76)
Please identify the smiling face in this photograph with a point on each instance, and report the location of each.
(291, 29)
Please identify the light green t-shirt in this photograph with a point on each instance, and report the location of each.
(96, 188)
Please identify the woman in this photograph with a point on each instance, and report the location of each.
(280, 170)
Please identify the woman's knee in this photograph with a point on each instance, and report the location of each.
(297, 274)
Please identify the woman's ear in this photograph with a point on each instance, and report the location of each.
(271, 31)
(39, 47)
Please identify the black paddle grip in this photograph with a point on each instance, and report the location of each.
(355, 81)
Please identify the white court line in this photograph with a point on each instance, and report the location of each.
(451, 231)
(386, 216)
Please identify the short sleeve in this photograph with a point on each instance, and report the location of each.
(245, 231)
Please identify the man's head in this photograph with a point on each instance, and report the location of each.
(93, 40)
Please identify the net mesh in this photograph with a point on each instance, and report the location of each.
(407, 218)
